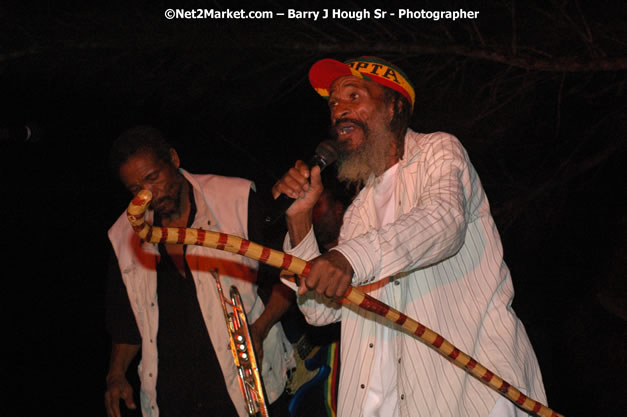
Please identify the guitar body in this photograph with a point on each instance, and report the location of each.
(311, 371)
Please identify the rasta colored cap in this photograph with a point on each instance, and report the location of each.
(324, 72)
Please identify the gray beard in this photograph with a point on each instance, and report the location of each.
(369, 158)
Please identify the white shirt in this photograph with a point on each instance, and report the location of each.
(441, 263)
(382, 392)
(137, 262)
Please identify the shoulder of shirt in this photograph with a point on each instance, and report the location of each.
(121, 226)
(416, 143)
(211, 181)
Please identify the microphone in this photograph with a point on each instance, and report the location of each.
(325, 155)
(21, 134)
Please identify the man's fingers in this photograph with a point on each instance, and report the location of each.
(343, 286)
(312, 280)
(294, 183)
(112, 403)
(303, 169)
(128, 400)
(302, 287)
(256, 333)
(113, 396)
(337, 285)
(331, 287)
(331, 274)
(316, 177)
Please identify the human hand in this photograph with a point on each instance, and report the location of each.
(302, 184)
(331, 274)
(258, 333)
(118, 388)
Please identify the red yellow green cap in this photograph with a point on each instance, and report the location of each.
(324, 72)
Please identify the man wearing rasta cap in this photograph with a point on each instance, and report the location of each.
(420, 237)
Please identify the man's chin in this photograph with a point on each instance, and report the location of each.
(349, 143)
(165, 210)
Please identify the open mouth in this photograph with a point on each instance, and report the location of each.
(345, 130)
(345, 127)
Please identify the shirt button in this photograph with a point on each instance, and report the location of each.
(363, 386)
(399, 360)
(397, 283)
(370, 345)
(150, 374)
(402, 396)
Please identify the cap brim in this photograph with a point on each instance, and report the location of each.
(324, 72)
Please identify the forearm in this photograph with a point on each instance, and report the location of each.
(121, 357)
(298, 226)
(280, 300)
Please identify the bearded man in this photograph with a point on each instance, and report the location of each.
(419, 237)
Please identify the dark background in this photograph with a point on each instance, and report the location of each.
(534, 91)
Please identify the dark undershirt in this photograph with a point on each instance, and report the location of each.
(190, 380)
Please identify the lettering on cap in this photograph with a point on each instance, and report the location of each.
(373, 68)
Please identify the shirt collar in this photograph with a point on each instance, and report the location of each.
(409, 154)
(205, 217)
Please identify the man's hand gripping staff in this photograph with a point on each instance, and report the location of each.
(234, 244)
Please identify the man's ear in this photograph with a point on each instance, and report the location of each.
(399, 105)
(393, 106)
(174, 158)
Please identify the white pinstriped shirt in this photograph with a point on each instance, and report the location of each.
(441, 263)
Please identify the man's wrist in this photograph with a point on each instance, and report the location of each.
(114, 375)
(262, 324)
(299, 216)
(298, 226)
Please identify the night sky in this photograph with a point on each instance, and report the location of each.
(535, 93)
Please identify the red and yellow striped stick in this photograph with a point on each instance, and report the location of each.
(234, 244)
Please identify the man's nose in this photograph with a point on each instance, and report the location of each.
(339, 111)
(151, 188)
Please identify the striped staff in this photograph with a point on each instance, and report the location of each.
(222, 241)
